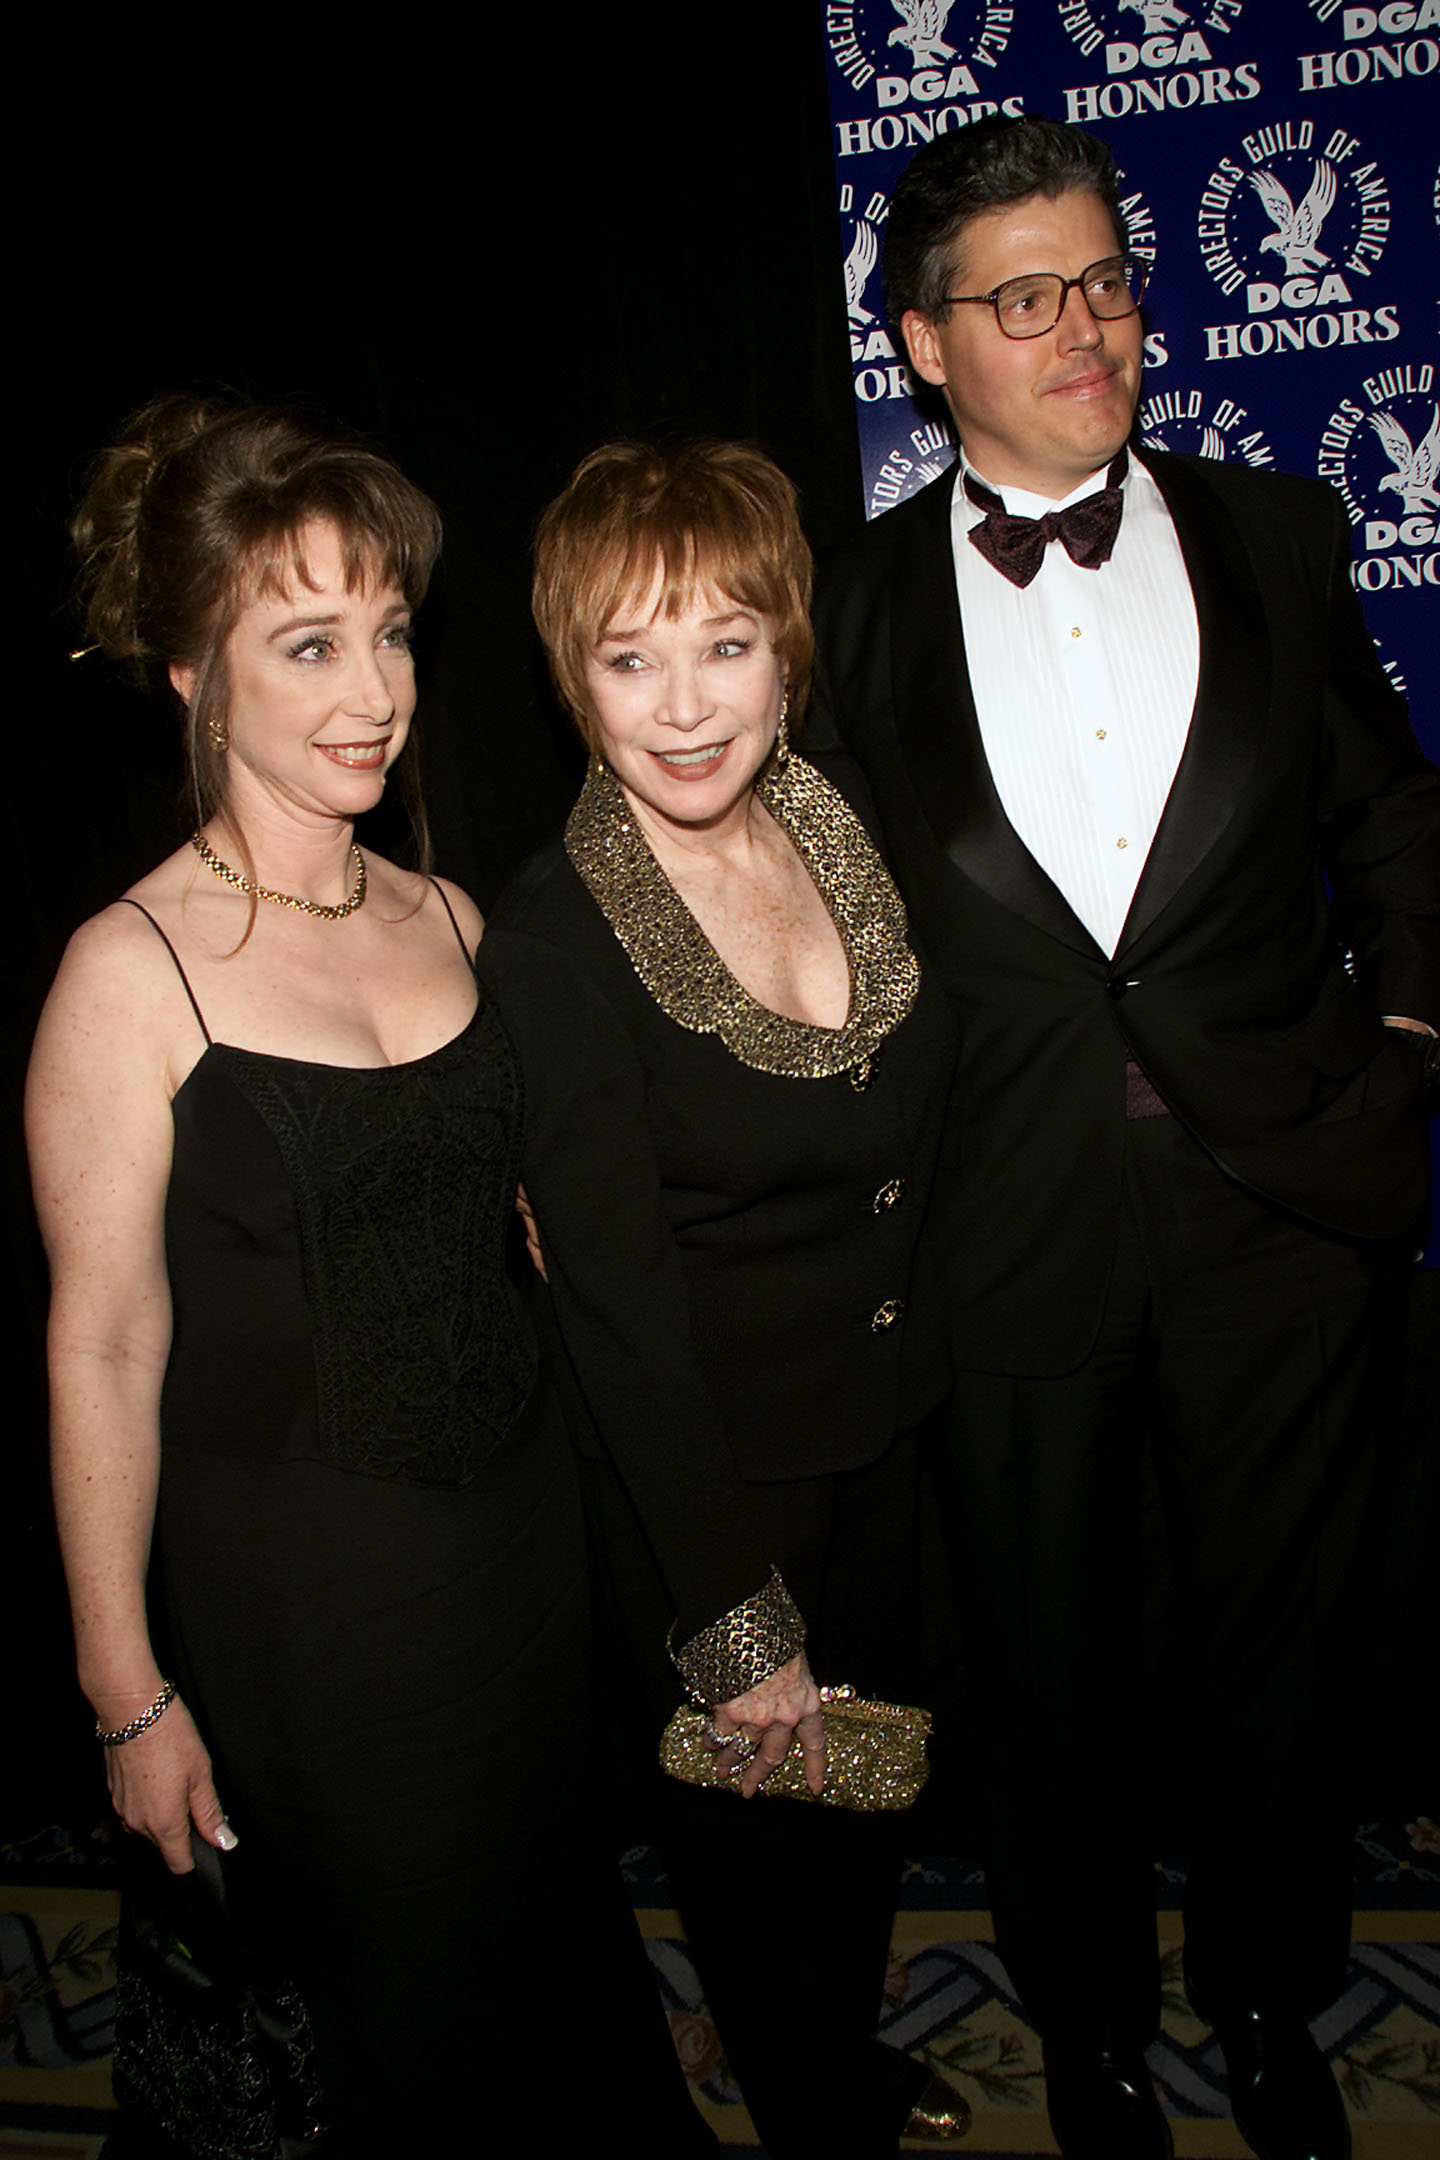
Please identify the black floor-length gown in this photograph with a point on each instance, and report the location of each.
(373, 1584)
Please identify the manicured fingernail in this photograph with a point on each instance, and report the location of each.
(225, 1838)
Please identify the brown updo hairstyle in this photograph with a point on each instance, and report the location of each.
(712, 515)
(196, 510)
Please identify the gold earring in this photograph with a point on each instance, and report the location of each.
(782, 733)
(218, 735)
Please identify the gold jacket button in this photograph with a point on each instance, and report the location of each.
(890, 1195)
(892, 1310)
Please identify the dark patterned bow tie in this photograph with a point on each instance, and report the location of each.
(1016, 545)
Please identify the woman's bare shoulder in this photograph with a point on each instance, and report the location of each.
(118, 951)
(117, 985)
(468, 917)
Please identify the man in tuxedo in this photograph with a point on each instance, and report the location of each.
(1166, 835)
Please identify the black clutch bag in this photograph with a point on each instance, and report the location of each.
(212, 2060)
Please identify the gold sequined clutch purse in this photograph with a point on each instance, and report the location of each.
(874, 1754)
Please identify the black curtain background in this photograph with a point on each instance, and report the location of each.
(491, 249)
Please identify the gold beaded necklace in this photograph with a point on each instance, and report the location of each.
(223, 870)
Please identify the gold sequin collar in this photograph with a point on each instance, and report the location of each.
(682, 970)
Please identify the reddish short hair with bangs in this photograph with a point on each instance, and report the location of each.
(712, 516)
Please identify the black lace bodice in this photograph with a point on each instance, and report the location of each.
(336, 1244)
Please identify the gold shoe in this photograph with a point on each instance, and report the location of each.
(939, 2115)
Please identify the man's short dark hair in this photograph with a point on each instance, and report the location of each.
(993, 162)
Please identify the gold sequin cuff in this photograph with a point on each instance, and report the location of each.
(742, 1647)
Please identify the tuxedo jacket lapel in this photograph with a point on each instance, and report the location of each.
(1231, 696)
(939, 729)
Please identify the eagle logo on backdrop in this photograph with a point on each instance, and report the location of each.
(1155, 15)
(1297, 232)
(952, 46)
(1293, 225)
(1413, 466)
(1380, 449)
(880, 372)
(921, 29)
(1188, 33)
(1154, 56)
(1283, 190)
(859, 263)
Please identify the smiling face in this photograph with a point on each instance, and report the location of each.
(686, 708)
(1036, 413)
(321, 688)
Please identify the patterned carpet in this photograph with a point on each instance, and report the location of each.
(947, 1999)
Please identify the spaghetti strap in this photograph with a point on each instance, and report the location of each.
(176, 958)
(453, 924)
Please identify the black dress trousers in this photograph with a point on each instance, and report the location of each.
(1247, 1353)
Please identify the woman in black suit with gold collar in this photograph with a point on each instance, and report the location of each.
(735, 1074)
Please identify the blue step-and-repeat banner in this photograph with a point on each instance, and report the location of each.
(1278, 165)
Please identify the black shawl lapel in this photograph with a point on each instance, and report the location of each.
(1231, 696)
(939, 729)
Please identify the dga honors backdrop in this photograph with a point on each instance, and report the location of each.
(1278, 163)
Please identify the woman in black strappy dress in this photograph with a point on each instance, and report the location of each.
(274, 1139)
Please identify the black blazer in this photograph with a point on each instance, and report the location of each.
(1230, 985)
(719, 1239)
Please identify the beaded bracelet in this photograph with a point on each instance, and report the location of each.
(122, 1733)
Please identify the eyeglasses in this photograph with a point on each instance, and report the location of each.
(1027, 307)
